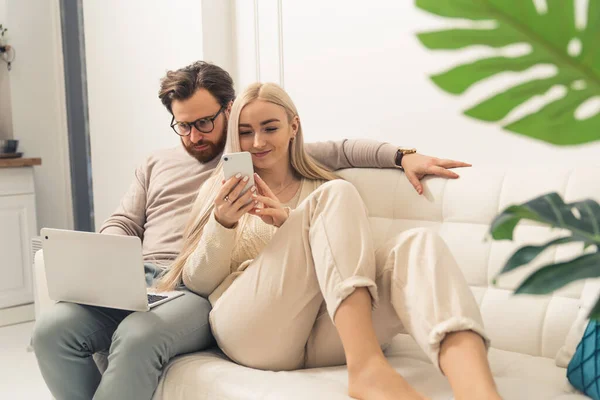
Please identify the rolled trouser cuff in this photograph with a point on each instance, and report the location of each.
(346, 288)
(454, 324)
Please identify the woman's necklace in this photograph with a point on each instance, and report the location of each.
(285, 187)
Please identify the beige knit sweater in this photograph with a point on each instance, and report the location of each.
(223, 254)
(156, 208)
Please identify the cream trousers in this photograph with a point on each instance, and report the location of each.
(278, 314)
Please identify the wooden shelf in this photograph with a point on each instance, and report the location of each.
(19, 162)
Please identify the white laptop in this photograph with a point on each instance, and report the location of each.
(98, 270)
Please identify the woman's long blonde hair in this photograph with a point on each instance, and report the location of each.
(302, 164)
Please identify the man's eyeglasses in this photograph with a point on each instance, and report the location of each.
(204, 125)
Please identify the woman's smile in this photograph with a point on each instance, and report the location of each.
(261, 154)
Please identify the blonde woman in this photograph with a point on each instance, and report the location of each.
(295, 281)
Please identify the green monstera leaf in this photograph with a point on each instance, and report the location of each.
(550, 34)
(581, 218)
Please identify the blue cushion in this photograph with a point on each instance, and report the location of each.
(584, 369)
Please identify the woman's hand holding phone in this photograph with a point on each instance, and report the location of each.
(230, 204)
(273, 212)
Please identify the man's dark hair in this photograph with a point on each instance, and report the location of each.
(184, 82)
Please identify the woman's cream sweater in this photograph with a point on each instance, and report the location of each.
(223, 254)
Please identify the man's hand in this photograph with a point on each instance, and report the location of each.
(416, 166)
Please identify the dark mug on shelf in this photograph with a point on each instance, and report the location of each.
(8, 146)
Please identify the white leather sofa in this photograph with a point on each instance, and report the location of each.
(527, 332)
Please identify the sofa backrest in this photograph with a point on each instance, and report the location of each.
(461, 211)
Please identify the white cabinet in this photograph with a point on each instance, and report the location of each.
(17, 227)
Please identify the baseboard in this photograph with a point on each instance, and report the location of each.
(17, 315)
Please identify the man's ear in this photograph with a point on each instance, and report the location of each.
(228, 109)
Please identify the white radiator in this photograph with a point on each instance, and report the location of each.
(36, 244)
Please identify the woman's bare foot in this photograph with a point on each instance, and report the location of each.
(377, 380)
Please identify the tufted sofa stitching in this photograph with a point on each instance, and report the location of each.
(434, 220)
(427, 220)
(397, 194)
(542, 330)
(481, 287)
(388, 233)
(499, 195)
(485, 294)
(443, 201)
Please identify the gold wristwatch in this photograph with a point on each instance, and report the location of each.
(402, 151)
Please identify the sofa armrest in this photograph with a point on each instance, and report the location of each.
(40, 286)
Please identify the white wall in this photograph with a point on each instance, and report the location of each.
(38, 104)
(5, 107)
(218, 34)
(357, 70)
(129, 46)
(354, 71)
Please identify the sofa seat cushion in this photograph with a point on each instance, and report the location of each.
(210, 375)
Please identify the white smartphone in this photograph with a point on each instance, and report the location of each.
(239, 163)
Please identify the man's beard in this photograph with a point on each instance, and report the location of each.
(209, 153)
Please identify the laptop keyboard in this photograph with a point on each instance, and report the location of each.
(153, 298)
